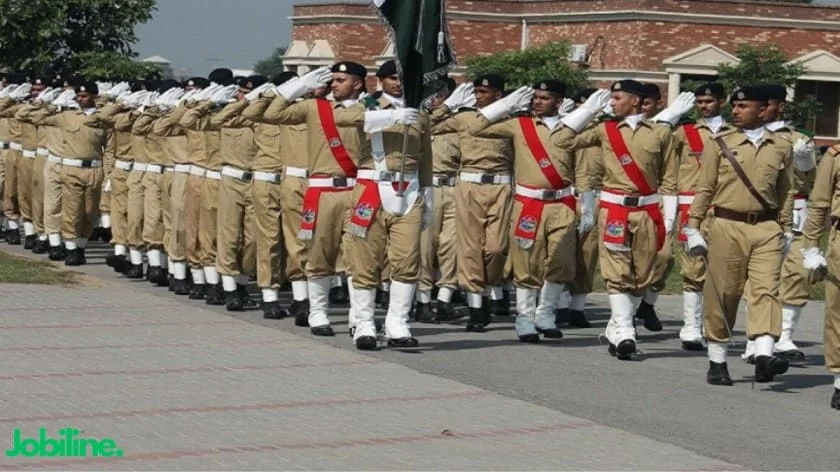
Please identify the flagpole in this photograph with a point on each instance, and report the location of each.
(400, 191)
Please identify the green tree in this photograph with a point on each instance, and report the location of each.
(58, 34)
(112, 66)
(271, 65)
(547, 61)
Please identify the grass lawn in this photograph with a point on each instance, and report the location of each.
(19, 270)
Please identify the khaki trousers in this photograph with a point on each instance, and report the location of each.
(437, 243)
(794, 287)
(136, 194)
(693, 271)
(177, 240)
(24, 187)
(634, 270)
(741, 253)
(192, 210)
(3, 153)
(831, 341)
(236, 245)
(11, 205)
(586, 261)
(207, 222)
(292, 190)
(81, 190)
(119, 206)
(37, 190)
(482, 228)
(105, 199)
(270, 228)
(663, 265)
(52, 197)
(550, 257)
(152, 211)
(166, 208)
(391, 236)
(324, 248)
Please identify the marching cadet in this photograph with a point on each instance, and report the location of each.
(437, 244)
(747, 178)
(543, 225)
(34, 141)
(102, 230)
(334, 153)
(27, 142)
(640, 172)
(794, 287)
(9, 105)
(483, 197)
(690, 139)
(235, 240)
(277, 193)
(824, 215)
(135, 201)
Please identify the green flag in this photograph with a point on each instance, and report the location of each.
(417, 29)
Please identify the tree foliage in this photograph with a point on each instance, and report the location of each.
(271, 65)
(62, 34)
(544, 62)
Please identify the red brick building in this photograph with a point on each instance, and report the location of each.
(662, 41)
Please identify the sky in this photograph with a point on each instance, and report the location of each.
(200, 35)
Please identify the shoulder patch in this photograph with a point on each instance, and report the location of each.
(370, 102)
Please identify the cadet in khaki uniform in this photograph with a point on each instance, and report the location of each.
(236, 238)
(9, 105)
(27, 185)
(794, 288)
(690, 139)
(275, 196)
(748, 235)
(123, 160)
(824, 215)
(136, 198)
(640, 168)
(483, 197)
(333, 156)
(38, 241)
(437, 244)
(4, 146)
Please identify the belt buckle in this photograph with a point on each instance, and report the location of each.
(87, 164)
(632, 201)
(387, 176)
(752, 217)
(549, 194)
(450, 181)
(247, 176)
(339, 181)
(488, 179)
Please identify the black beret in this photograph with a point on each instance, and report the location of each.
(581, 96)
(197, 82)
(16, 78)
(776, 92)
(240, 80)
(713, 89)
(490, 80)
(283, 77)
(630, 86)
(554, 86)
(387, 69)
(254, 81)
(167, 84)
(221, 76)
(45, 81)
(88, 86)
(652, 91)
(351, 68)
(751, 93)
(73, 81)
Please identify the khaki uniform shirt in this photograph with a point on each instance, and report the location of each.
(8, 110)
(279, 145)
(175, 148)
(481, 155)
(803, 182)
(446, 150)
(824, 201)
(78, 134)
(768, 167)
(236, 136)
(197, 118)
(152, 145)
(689, 162)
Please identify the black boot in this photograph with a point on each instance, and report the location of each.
(553, 333)
(578, 319)
(182, 287)
(794, 356)
(300, 310)
(248, 303)
(476, 323)
(383, 299)
(446, 313)
(532, 338)
(41, 247)
(500, 307)
(718, 374)
(233, 301)
(57, 253)
(29, 242)
(134, 271)
(625, 349)
(423, 313)
(198, 291)
(74, 257)
(215, 295)
(402, 343)
(561, 316)
(325, 330)
(156, 275)
(273, 311)
(647, 314)
(107, 235)
(170, 282)
(366, 343)
(835, 399)
(767, 367)
(13, 237)
(339, 295)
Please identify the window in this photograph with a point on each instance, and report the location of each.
(827, 122)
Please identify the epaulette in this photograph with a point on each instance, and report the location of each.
(805, 132)
(685, 121)
(371, 102)
(725, 133)
(519, 113)
(605, 118)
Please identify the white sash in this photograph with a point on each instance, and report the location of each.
(391, 203)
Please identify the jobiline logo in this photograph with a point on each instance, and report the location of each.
(69, 443)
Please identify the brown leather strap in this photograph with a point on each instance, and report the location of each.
(752, 217)
(740, 171)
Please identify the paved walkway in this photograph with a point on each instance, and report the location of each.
(180, 386)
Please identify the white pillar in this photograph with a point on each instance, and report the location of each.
(673, 86)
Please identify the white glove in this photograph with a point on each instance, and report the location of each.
(7, 90)
(681, 105)
(378, 120)
(695, 245)
(428, 207)
(296, 88)
(499, 109)
(407, 116)
(566, 107)
(804, 158)
(224, 95)
(255, 94)
(207, 92)
(65, 99)
(21, 92)
(103, 87)
(594, 105)
(462, 96)
(814, 262)
(669, 207)
(42, 97)
(106, 187)
(786, 242)
(116, 90)
(587, 212)
(608, 109)
(149, 99)
(187, 97)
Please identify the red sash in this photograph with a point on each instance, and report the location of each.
(532, 208)
(683, 209)
(695, 142)
(312, 197)
(617, 227)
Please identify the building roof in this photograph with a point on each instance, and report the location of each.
(157, 60)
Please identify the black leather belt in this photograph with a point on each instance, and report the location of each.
(751, 217)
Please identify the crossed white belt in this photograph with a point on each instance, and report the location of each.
(629, 200)
(545, 194)
(486, 179)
